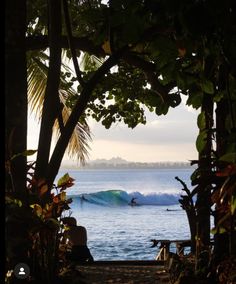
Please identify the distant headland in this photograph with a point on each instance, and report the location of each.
(120, 163)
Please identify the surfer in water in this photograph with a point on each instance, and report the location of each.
(83, 198)
(133, 202)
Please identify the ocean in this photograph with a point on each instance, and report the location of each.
(118, 231)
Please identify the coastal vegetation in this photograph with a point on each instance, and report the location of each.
(119, 163)
(132, 54)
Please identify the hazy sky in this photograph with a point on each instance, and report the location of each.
(163, 138)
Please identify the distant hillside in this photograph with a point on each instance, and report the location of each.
(112, 161)
(119, 163)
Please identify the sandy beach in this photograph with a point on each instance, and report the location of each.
(123, 274)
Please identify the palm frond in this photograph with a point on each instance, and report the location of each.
(37, 80)
(78, 146)
(90, 62)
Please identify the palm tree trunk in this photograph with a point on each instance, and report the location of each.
(51, 104)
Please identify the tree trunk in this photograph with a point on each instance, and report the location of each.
(16, 94)
(16, 129)
(221, 241)
(51, 100)
(191, 215)
(187, 204)
(203, 203)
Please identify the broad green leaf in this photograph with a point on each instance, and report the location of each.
(195, 99)
(175, 100)
(218, 96)
(207, 87)
(230, 157)
(201, 120)
(219, 230)
(9, 200)
(29, 152)
(195, 175)
(25, 153)
(180, 82)
(63, 180)
(37, 209)
(18, 202)
(222, 230)
(162, 109)
(201, 141)
(213, 231)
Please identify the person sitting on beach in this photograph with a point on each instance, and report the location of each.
(76, 238)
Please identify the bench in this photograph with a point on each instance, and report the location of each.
(165, 247)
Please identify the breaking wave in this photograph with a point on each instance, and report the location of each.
(122, 198)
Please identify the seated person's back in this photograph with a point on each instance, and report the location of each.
(77, 236)
(77, 240)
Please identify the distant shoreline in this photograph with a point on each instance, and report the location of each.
(120, 163)
(130, 166)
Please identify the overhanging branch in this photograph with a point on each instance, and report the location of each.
(71, 43)
(76, 113)
(82, 43)
(149, 69)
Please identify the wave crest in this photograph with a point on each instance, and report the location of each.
(122, 198)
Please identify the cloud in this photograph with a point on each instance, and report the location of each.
(143, 152)
(163, 133)
(178, 126)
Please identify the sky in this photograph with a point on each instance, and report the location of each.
(164, 138)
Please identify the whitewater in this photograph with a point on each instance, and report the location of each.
(118, 231)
